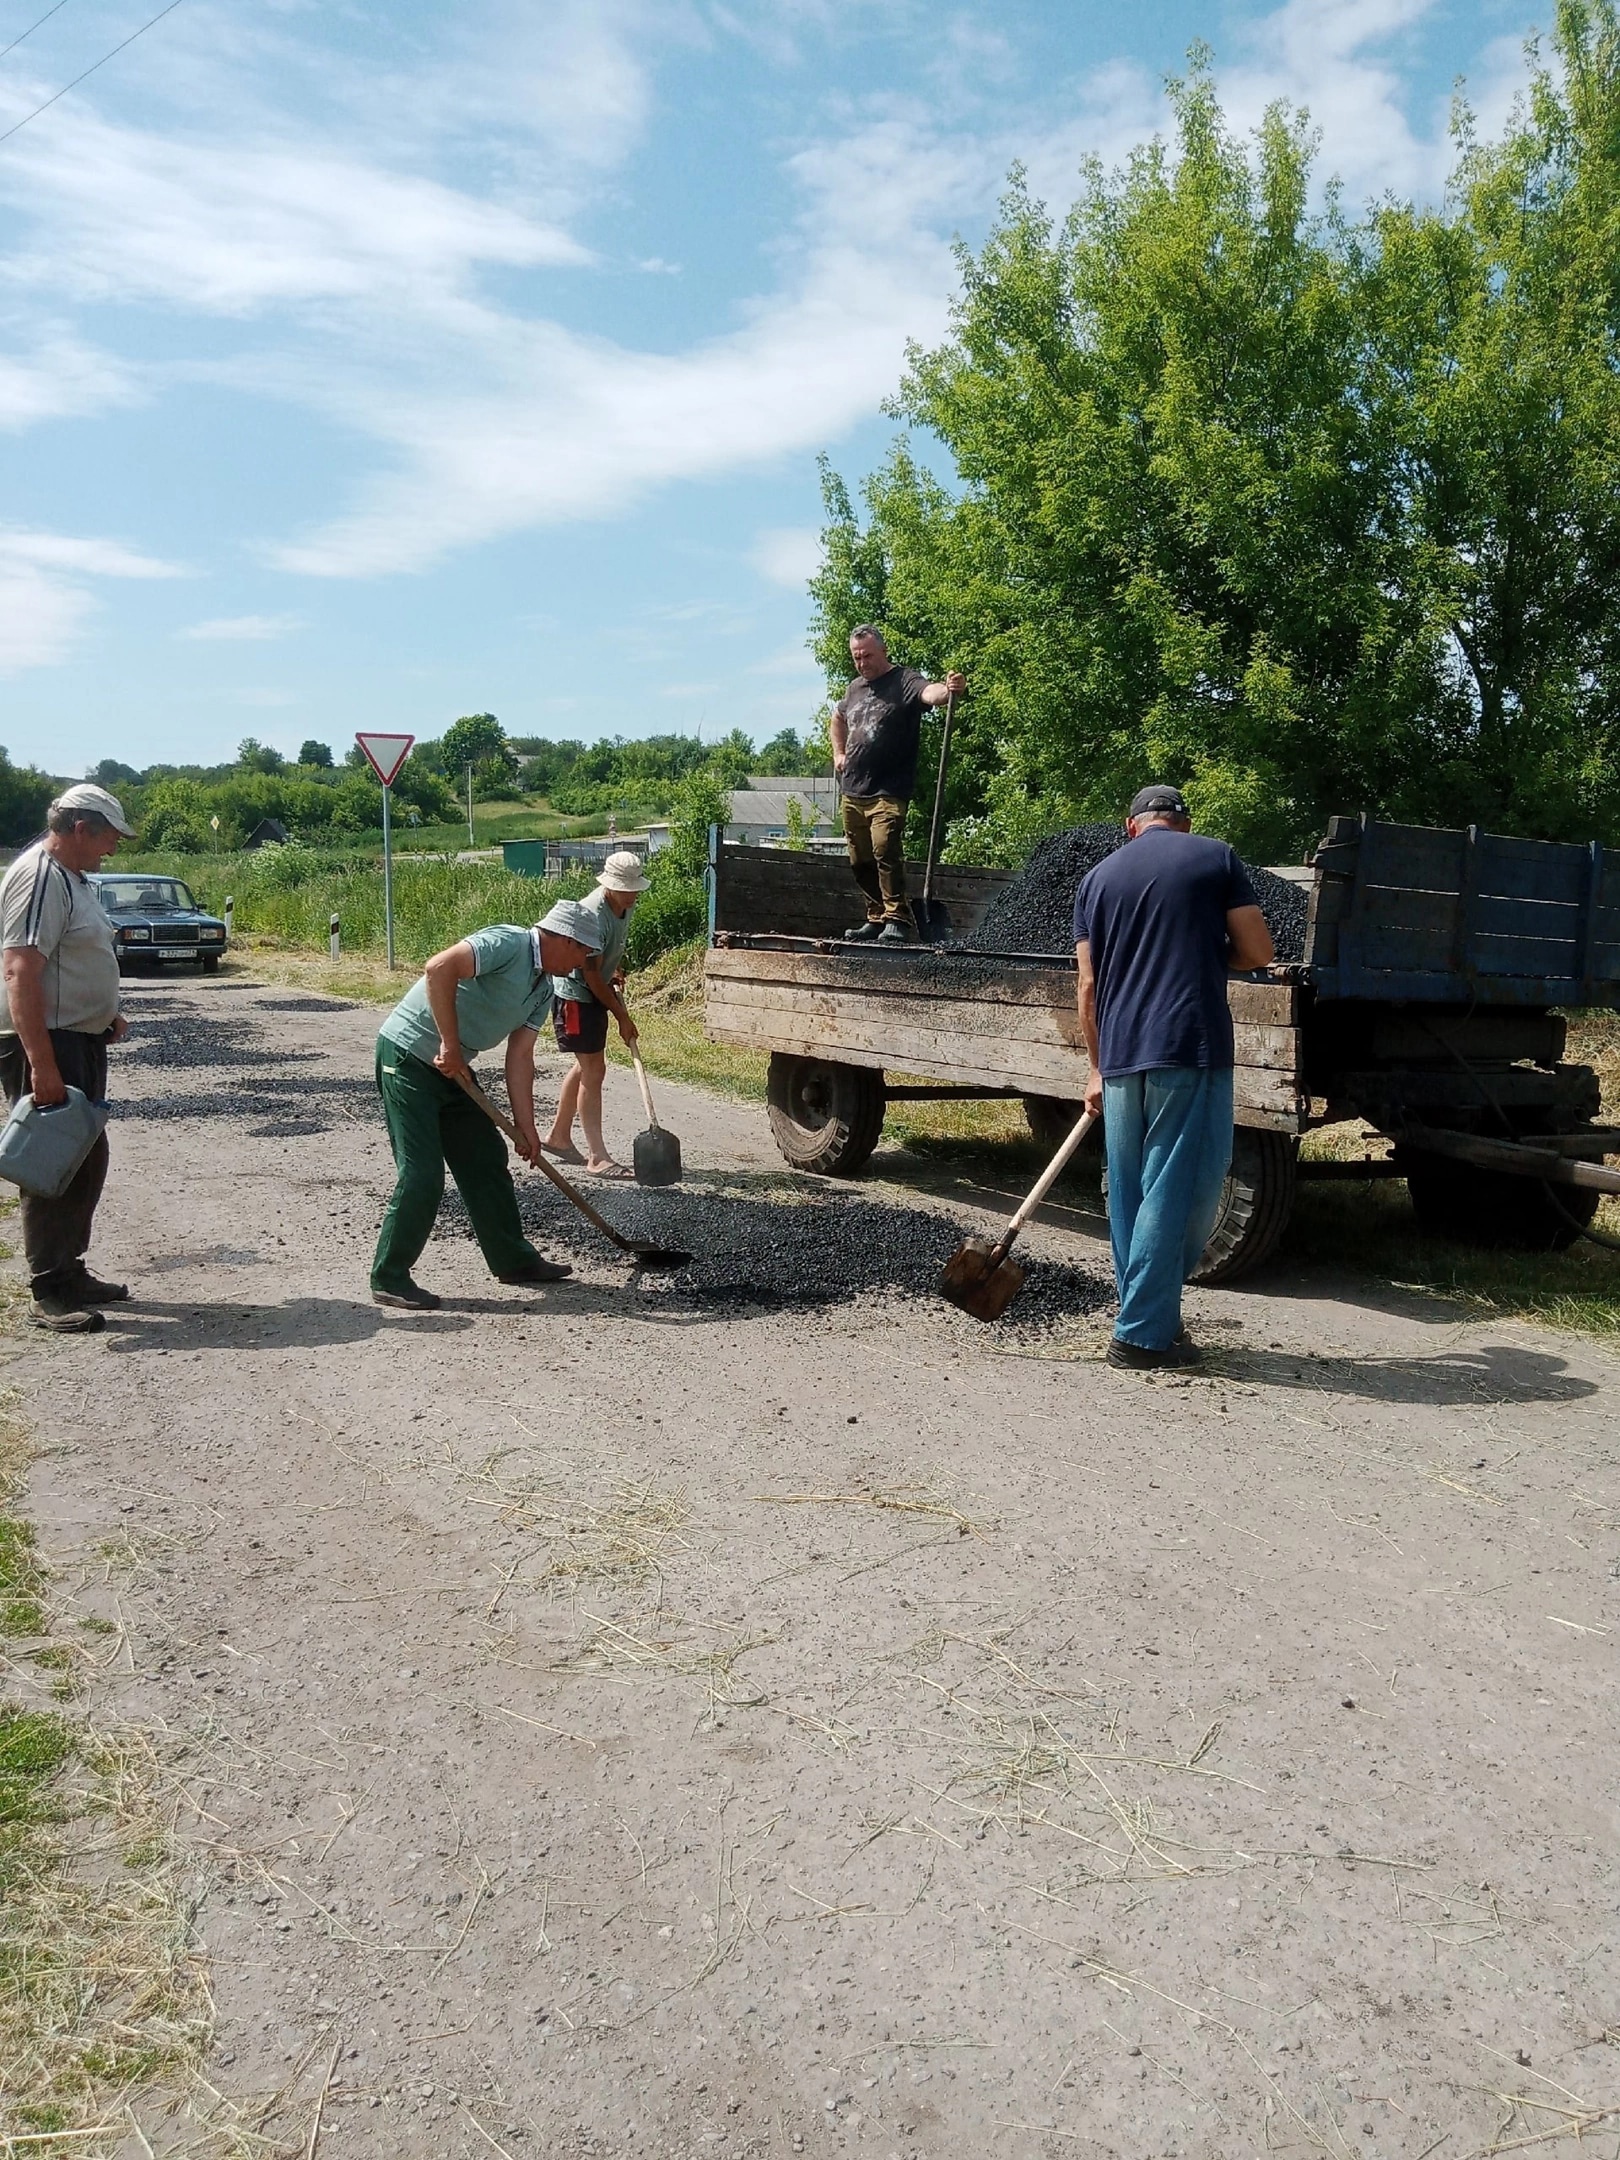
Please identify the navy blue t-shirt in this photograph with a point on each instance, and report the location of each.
(1154, 914)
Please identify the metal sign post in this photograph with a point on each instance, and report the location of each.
(385, 754)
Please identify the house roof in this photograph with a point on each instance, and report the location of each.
(764, 801)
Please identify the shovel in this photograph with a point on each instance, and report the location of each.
(656, 1155)
(979, 1276)
(932, 916)
(653, 1256)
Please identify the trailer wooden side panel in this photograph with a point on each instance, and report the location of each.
(970, 1022)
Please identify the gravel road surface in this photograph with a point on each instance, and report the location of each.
(770, 1713)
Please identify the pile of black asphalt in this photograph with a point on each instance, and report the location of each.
(1034, 911)
(788, 1246)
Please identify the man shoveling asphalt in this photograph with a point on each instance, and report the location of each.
(493, 986)
(1159, 925)
(876, 727)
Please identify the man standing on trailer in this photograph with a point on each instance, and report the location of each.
(1159, 926)
(876, 727)
(492, 987)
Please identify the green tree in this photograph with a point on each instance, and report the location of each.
(317, 754)
(476, 739)
(255, 756)
(1305, 515)
(783, 757)
(25, 796)
(111, 773)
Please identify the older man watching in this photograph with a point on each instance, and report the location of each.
(876, 728)
(1159, 926)
(492, 987)
(58, 1012)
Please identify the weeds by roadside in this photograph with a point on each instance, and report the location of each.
(103, 1992)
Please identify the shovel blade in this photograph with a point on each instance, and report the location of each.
(969, 1280)
(660, 1256)
(933, 920)
(656, 1157)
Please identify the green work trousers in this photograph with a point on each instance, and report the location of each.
(875, 827)
(433, 1126)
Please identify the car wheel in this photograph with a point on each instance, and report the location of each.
(209, 963)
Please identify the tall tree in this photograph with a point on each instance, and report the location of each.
(1304, 514)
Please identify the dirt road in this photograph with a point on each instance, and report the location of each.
(641, 1721)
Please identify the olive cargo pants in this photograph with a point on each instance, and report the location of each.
(433, 1125)
(875, 827)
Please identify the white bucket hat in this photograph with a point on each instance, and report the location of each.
(85, 796)
(622, 872)
(572, 919)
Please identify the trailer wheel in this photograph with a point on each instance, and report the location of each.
(1256, 1203)
(1051, 1119)
(1491, 1207)
(824, 1116)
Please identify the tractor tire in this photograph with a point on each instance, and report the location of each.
(825, 1116)
(1051, 1119)
(1256, 1202)
(1492, 1208)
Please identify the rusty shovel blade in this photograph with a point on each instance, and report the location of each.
(979, 1283)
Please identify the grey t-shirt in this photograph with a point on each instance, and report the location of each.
(44, 904)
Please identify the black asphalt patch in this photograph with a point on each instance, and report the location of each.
(812, 1250)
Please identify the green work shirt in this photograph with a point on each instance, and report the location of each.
(615, 937)
(507, 990)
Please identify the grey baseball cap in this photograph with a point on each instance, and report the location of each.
(572, 919)
(1159, 801)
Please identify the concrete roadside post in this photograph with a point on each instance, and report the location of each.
(385, 754)
(334, 940)
(230, 918)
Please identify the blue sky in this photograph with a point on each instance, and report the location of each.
(363, 365)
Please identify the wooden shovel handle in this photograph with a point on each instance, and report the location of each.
(500, 1118)
(646, 1091)
(1043, 1185)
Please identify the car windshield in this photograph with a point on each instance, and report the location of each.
(152, 892)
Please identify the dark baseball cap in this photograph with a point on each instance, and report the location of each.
(1159, 801)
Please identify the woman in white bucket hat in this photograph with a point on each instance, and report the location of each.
(579, 1018)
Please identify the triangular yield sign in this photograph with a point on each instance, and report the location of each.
(385, 754)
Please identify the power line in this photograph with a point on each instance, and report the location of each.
(89, 71)
(32, 27)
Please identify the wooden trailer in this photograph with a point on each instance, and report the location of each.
(1415, 1008)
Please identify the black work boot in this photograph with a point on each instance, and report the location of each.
(537, 1270)
(862, 931)
(411, 1298)
(57, 1311)
(91, 1290)
(897, 933)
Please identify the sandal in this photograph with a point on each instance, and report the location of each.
(567, 1154)
(611, 1173)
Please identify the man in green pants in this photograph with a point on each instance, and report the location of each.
(494, 986)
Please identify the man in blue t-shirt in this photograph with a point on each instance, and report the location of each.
(1159, 925)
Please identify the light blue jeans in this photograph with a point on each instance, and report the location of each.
(1169, 1139)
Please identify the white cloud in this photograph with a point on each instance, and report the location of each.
(1326, 55)
(787, 554)
(58, 378)
(40, 617)
(403, 238)
(43, 608)
(241, 629)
